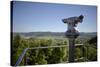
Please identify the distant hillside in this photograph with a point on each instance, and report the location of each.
(88, 34)
(53, 34)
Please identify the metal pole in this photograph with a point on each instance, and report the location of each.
(71, 49)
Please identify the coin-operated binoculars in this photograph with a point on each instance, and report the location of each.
(72, 34)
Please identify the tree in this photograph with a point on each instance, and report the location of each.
(15, 46)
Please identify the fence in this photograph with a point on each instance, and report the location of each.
(24, 57)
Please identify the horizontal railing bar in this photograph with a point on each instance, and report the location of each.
(53, 46)
(47, 47)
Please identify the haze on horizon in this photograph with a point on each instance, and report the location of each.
(46, 17)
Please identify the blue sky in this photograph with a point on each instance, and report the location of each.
(33, 17)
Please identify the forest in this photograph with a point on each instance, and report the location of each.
(83, 53)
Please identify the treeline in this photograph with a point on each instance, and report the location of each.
(48, 55)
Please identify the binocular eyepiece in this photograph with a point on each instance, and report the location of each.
(81, 17)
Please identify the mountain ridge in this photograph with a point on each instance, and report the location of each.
(53, 34)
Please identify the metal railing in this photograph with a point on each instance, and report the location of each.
(25, 50)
